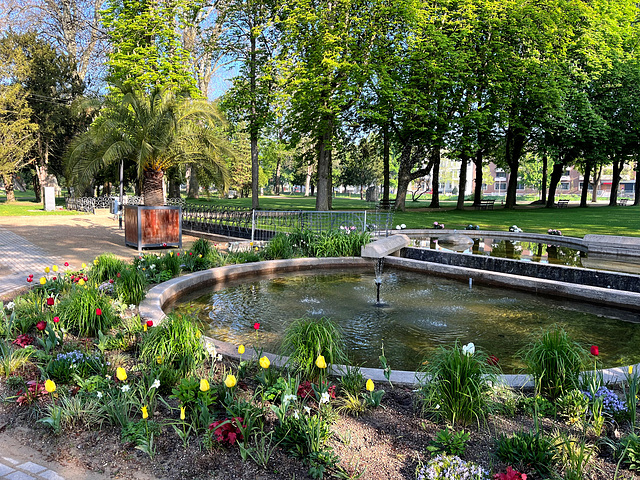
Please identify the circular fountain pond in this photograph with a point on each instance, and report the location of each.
(422, 312)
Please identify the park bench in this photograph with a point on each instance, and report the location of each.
(562, 204)
(485, 204)
(622, 202)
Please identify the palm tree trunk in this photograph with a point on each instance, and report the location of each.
(152, 187)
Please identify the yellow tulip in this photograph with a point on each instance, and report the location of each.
(121, 374)
(47, 269)
(81, 282)
(144, 327)
(43, 280)
(241, 349)
(369, 385)
(145, 413)
(204, 385)
(230, 381)
(182, 413)
(320, 362)
(630, 369)
(159, 360)
(84, 265)
(54, 268)
(264, 362)
(95, 262)
(50, 386)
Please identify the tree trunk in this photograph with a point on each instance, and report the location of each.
(193, 185)
(618, 165)
(545, 167)
(477, 190)
(597, 175)
(255, 172)
(307, 181)
(462, 184)
(323, 195)
(152, 187)
(585, 185)
(404, 177)
(556, 175)
(277, 179)
(636, 190)
(435, 179)
(514, 145)
(8, 187)
(385, 164)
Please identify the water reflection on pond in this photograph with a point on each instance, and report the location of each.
(423, 312)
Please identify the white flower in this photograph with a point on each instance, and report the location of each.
(10, 305)
(125, 388)
(324, 398)
(219, 357)
(99, 394)
(398, 227)
(307, 409)
(403, 226)
(152, 267)
(296, 415)
(289, 398)
(469, 349)
(438, 407)
(211, 348)
(132, 307)
(155, 384)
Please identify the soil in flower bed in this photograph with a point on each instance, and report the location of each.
(385, 443)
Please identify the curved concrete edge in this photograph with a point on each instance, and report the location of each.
(152, 307)
(605, 296)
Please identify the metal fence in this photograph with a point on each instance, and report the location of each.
(89, 204)
(259, 225)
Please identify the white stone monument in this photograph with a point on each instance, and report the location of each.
(49, 199)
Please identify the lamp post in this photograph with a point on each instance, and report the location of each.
(121, 194)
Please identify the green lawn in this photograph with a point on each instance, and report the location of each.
(573, 221)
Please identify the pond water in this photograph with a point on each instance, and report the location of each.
(422, 313)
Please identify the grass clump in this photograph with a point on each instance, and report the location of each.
(86, 311)
(130, 286)
(555, 362)
(176, 342)
(457, 384)
(106, 267)
(305, 339)
(527, 451)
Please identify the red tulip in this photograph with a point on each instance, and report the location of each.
(66, 264)
(118, 274)
(29, 279)
(492, 360)
(31, 275)
(56, 319)
(41, 325)
(256, 325)
(98, 311)
(190, 253)
(111, 280)
(594, 350)
(149, 323)
(50, 301)
(55, 278)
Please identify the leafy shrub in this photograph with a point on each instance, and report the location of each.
(450, 442)
(175, 342)
(510, 474)
(555, 362)
(227, 431)
(459, 385)
(628, 451)
(130, 286)
(28, 310)
(573, 406)
(203, 247)
(352, 381)
(106, 267)
(526, 451)
(611, 403)
(537, 405)
(171, 263)
(86, 311)
(306, 338)
(449, 467)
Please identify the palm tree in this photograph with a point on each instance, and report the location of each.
(155, 131)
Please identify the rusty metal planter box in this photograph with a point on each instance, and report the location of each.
(146, 227)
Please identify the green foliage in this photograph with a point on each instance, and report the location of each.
(11, 359)
(79, 411)
(526, 451)
(171, 263)
(573, 406)
(352, 381)
(305, 339)
(279, 247)
(575, 454)
(130, 286)
(537, 405)
(142, 433)
(176, 342)
(106, 267)
(64, 366)
(450, 442)
(628, 451)
(555, 362)
(459, 383)
(78, 311)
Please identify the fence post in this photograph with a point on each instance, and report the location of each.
(253, 224)
(364, 227)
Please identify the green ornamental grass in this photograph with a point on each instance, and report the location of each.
(457, 384)
(87, 311)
